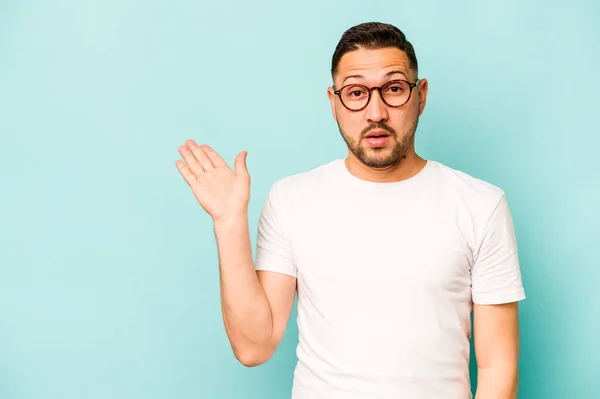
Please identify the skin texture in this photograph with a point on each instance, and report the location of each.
(397, 160)
(256, 306)
(496, 336)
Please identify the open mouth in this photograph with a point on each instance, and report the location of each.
(377, 140)
(379, 133)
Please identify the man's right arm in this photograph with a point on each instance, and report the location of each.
(256, 305)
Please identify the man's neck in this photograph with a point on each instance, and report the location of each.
(407, 167)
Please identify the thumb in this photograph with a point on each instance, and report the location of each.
(240, 164)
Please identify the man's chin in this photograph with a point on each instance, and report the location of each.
(378, 153)
(379, 160)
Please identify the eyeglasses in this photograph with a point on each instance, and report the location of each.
(395, 93)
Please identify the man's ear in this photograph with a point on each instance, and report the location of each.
(423, 88)
(332, 96)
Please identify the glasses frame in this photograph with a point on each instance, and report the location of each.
(379, 89)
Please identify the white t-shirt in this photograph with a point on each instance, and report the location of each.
(387, 276)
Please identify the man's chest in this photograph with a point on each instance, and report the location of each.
(393, 254)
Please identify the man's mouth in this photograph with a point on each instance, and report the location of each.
(377, 133)
(377, 139)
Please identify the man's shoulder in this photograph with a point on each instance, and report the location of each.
(468, 186)
(307, 180)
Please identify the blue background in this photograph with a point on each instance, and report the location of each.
(108, 265)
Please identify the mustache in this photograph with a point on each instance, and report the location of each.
(379, 125)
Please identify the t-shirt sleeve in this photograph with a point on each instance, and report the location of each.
(273, 250)
(496, 274)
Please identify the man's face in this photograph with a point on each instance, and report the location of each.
(375, 68)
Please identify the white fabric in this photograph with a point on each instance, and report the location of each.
(387, 276)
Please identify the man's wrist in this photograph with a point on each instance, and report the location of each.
(231, 221)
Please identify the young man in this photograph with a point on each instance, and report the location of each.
(389, 253)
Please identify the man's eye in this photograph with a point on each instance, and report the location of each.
(356, 92)
(395, 89)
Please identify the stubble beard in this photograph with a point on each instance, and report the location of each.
(380, 157)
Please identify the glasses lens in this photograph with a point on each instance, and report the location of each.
(396, 93)
(355, 96)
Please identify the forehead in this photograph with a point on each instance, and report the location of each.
(373, 64)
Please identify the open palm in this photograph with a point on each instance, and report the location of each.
(221, 191)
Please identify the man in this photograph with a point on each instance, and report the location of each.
(389, 253)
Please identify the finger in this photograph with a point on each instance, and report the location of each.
(200, 155)
(186, 173)
(215, 158)
(240, 164)
(190, 160)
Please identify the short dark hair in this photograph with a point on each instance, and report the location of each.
(373, 35)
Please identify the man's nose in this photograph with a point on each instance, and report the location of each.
(376, 109)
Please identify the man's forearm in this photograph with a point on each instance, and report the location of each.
(246, 310)
(497, 383)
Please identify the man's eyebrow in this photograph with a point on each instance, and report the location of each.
(351, 76)
(395, 71)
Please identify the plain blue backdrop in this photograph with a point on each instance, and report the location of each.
(108, 265)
